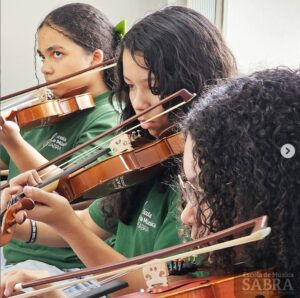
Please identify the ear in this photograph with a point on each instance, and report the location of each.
(97, 57)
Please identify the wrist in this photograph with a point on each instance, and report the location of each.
(22, 232)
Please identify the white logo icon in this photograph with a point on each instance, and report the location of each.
(287, 150)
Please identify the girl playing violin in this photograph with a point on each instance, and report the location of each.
(142, 218)
(70, 38)
(248, 171)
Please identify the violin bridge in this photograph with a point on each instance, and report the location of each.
(45, 94)
(120, 144)
(156, 275)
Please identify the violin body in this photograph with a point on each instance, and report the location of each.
(240, 286)
(51, 111)
(121, 171)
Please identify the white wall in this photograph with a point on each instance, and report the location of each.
(20, 18)
(263, 33)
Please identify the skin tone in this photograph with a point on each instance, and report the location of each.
(60, 56)
(191, 171)
(54, 230)
(136, 77)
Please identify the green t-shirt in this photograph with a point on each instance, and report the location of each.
(52, 141)
(154, 226)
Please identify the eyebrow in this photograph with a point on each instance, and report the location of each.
(50, 49)
(127, 79)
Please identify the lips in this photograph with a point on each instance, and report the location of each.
(147, 125)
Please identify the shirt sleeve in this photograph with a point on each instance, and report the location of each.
(99, 218)
(168, 234)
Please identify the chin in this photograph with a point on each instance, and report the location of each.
(153, 133)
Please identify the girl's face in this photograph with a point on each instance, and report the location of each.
(141, 97)
(191, 171)
(61, 56)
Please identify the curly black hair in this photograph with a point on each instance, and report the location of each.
(88, 27)
(238, 130)
(181, 49)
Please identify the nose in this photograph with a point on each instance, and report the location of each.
(139, 101)
(47, 68)
(188, 215)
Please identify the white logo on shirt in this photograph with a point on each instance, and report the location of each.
(145, 222)
(56, 142)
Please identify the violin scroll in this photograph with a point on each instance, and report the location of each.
(8, 218)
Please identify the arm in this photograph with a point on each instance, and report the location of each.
(3, 165)
(77, 229)
(19, 150)
(46, 234)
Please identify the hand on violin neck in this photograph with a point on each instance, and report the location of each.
(16, 185)
(9, 133)
(52, 209)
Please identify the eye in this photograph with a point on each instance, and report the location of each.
(57, 54)
(129, 86)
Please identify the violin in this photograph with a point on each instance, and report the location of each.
(121, 171)
(206, 287)
(112, 174)
(49, 112)
(234, 286)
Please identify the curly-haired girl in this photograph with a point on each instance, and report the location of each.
(233, 160)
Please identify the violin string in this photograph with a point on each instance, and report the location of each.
(86, 153)
(254, 236)
(101, 283)
(23, 104)
(64, 166)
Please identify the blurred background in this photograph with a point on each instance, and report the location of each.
(260, 33)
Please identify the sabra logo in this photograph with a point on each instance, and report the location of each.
(267, 284)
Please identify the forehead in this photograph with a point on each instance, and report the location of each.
(134, 68)
(190, 166)
(48, 37)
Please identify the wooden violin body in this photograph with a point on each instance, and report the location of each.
(240, 286)
(51, 111)
(121, 171)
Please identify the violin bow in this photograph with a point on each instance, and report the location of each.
(259, 227)
(183, 93)
(109, 62)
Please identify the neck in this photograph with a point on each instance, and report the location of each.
(97, 85)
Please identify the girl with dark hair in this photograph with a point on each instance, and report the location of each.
(70, 38)
(170, 49)
(237, 169)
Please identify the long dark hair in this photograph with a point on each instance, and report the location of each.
(182, 49)
(88, 27)
(238, 132)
